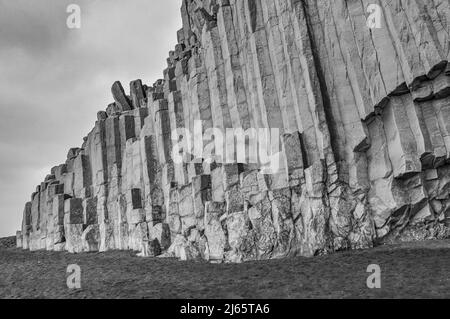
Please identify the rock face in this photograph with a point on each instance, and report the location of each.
(363, 119)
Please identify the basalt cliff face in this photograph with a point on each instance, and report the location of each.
(364, 129)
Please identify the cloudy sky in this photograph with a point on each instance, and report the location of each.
(53, 79)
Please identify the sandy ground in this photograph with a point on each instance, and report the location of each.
(416, 270)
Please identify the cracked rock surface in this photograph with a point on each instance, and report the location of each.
(364, 134)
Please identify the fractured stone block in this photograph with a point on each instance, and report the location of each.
(137, 216)
(73, 234)
(113, 110)
(82, 174)
(249, 183)
(127, 129)
(73, 152)
(90, 211)
(35, 211)
(55, 189)
(156, 215)
(58, 235)
(161, 233)
(19, 239)
(59, 171)
(214, 231)
(138, 236)
(150, 248)
(106, 236)
(73, 211)
(119, 96)
(401, 141)
(68, 181)
(102, 115)
(294, 148)
(26, 221)
(235, 199)
(91, 238)
(217, 185)
(113, 144)
(137, 93)
(186, 208)
(58, 210)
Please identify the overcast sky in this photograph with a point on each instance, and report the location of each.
(53, 80)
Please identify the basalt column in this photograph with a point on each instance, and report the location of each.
(360, 126)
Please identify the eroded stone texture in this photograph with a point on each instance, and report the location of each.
(122, 101)
(363, 119)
